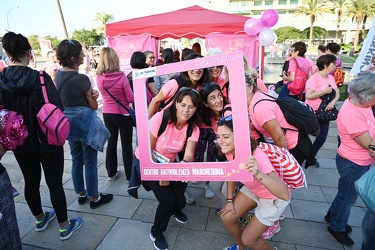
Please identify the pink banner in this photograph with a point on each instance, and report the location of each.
(231, 43)
(126, 45)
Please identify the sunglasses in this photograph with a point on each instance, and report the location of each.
(188, 88)
(216, 67)
(71, 42)
(225, 118)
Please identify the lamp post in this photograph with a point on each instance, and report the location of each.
(8, 14)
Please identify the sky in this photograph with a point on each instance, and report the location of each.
(42, 17)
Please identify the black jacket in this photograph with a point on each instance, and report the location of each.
(21, 91)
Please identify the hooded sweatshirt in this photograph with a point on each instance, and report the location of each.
(21, 91)
(118, 85)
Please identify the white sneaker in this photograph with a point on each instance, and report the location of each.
(208, 192)
(115, 176)
(189, 197)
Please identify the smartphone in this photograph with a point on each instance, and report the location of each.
(372, 147)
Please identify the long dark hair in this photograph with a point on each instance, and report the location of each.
(66, 50)
(171, 112)
(16, 46)
(207, 113)
(183, 78)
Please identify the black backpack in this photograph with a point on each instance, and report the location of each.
(164, 124)
(297, 114)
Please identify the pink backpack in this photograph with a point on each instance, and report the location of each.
(298, 85)
(54, 124)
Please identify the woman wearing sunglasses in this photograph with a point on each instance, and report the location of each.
(192, 78)
(267, 194)
(181, 114)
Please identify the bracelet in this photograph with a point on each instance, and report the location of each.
(230, 201)
(269, 182)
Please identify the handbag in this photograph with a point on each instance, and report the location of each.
(13, 132)
(324, 115)
(284, 92)
(366, 189)
(130, 110)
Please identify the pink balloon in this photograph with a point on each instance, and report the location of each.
(269, 18)
(253, 26)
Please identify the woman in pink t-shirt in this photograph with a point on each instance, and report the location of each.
(195, 79)
(297, 51)
(356, 129)
(267, 193)
(320, 84)
(269, 120)
(181, 114)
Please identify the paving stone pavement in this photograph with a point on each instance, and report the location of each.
(125, 222)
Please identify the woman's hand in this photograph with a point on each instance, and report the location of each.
(228, 207)
(330, 106)
(251, 165)
(95, 94)
(328, 90)
(164, 183)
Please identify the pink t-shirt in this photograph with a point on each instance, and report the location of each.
(267, 110)
(353, 121)
(261, 85)
(172, 140)
(255, 186)
(49, 66)
(303, 65)
(317, 83)
(169, 90)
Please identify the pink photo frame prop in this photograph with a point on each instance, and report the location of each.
(197, 171)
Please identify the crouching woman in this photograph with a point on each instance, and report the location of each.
(267, 193)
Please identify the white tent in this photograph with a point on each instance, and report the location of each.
(368, 49)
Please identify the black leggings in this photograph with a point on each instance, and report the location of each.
(171, 201)
(53, 168)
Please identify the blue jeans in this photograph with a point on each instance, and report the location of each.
(83, 154)
(321, 138)
(346, 195)
(368, 231)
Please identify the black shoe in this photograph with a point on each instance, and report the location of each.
(159, 242)
(181, 217)
(103, 199)
(82, 199)
(327, 217)
(341, 237)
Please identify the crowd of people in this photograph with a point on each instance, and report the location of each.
(190, 110)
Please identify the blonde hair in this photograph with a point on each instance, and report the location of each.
(108, 61)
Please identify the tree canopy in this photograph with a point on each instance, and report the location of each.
(87, 37)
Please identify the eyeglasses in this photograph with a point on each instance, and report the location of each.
(225, 118)
(216, 67)
(188, 88)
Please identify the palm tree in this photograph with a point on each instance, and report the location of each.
(62, 18)
(357, 12)
(340, 6)
(103, 18)
(370, 13)
(312, 8)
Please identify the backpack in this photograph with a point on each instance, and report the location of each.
(13, 132)
(298, 85)
(297, 114)
(339, 76)
(52, 121)
(285, 164)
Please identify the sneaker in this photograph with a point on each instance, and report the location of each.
(15, 192)
(42, 224)
(234, 247)
(341, 237)
(115, 176)
(244, 221)
(181, 217)
(271, 231)
(317, 164)
(82, 199)
(208, 192)
(74, 225)
(327, 218)
(189, 197)
(282, 216)
(159, 242)
(103, 199)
